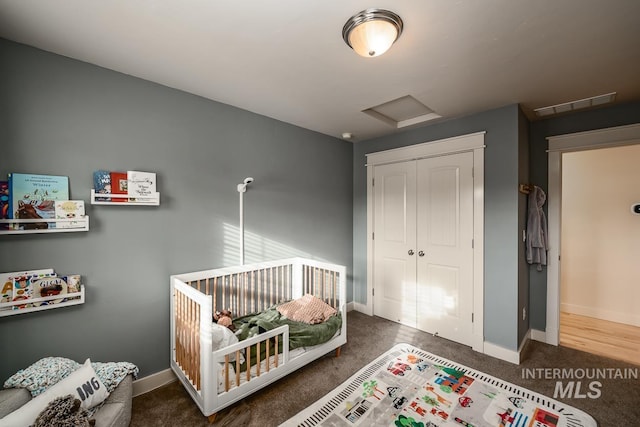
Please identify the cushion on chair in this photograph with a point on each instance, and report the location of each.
(13, 398)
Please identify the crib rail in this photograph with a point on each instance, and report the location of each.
(254, 288)
(216, 379)
(233, 372)
(323, 283)
(189, 308)
(248, 292)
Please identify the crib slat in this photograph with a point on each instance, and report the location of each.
(271, 286)
(258, 358)
(196, 341)
(225, 292)
(244, 292)
(276, 350)
(214, 293)
(248, 363)
(237, 367)
(233, 296)
(191, 342)
(336, 289)
(227, 384)
(288, 283)
(267, 360)
(253, 294)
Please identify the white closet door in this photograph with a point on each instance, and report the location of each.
(395, 242)
(444, 246)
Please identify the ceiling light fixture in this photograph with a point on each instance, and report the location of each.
(372, 32)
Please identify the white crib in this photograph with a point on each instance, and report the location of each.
(214, 378)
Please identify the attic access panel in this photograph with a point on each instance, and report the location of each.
(402, 112)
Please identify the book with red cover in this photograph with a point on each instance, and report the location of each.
(119, 185)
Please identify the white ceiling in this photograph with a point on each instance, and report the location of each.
(286, 59)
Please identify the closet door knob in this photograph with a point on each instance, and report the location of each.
(411, 252)
(421, 253)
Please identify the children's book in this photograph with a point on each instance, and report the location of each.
(4, 203)
(26, 287)
(119, 185)
(6, 282)
(33, 197)
(73, 284)
(102, 184)
(47, 287)
(141, 184)
(69, 209)
(22, 290)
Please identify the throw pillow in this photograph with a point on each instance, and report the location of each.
(82, 383)
(308, 309)
(64, 412)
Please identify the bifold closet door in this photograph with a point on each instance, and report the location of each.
(395, 242)
(445, 246)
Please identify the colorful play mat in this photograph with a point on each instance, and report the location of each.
(409, 387)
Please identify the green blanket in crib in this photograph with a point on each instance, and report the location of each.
(300, 334)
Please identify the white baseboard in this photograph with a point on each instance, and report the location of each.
(153, 381)
(350, 306)
(502, 353)
(602, 314)
(551, 335)
(523, 343)
(510, 356)
(363, 308)
(538, 335)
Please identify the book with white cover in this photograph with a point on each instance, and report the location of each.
(141, 184)
(70, 209)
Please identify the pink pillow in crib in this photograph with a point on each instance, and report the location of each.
(307, 309)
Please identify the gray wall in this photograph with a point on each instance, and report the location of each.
(523, 271)
(64, 117)
(619, 115)
(502, 203)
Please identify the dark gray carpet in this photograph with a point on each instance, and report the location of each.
(368, 337)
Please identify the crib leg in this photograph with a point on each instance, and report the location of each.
(212, 418)
(338, 351)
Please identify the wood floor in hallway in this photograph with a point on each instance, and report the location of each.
(601, 337)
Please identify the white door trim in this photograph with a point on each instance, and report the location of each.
(601, 138)
(472, 142)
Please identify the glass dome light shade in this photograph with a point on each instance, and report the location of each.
(372, 38)
(371, 32)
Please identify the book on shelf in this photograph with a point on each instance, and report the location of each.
(4, 203)
(73, 284)
(69, 209)
(23, 287)
(6, 282)
(27, 287)
(141, 184)
(119, 185)
(47, 287)
(33, 196)
(102, 184)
